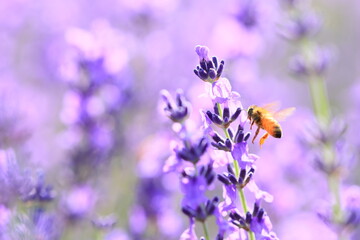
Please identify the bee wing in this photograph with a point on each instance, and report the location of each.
(272, 107)
(283, 114)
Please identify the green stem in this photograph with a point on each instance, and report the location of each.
(205, 231)
(319, 99)
(240, 190)
(322, 110)
(237, 173)
(219, 109)
(243, 198)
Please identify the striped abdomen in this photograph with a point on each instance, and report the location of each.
(271, 126)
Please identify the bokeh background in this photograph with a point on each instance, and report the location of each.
(50, 52)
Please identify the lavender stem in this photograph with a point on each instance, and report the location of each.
(206, 233)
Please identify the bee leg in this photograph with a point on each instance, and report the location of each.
(256, 133)
(263, 138)
(252, 123)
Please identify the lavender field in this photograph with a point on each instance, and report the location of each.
(170, 119)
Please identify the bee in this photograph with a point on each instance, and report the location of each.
(267, 119)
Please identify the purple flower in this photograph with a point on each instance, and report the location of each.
(209, 70)
(261, 226)
(221, 92)
(202, 52)
(194, 187)
(224, 226)
(351, 202)
(232, 186)
(16, 183)
(241, 154)
(230, 196)
(303, 26)
(173, 162)
(259, 194)
(189, 234)
(177, 110)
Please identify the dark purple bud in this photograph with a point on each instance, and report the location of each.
(220, 69)
(219, 237)
(235, 115)
(179, 101)
(203, 65)
(260, 214)
(222, 146)
(248, 218)
(228, 144)
(230, 169)
(202, 169)
(215, 61)
(184, 155)
(210, 115)
(196, 72)
(256, 209)
(210, 179)
(246, 136)
(234, 215)
(217, 120)
(232, 179)
(212, 73)
(222, 178)
(216, 110)
(200, 213)
(243, 173)
(230, 133)
(203, 144)
(216, 145)
(236, 223)
(203, 74)
(188, 211)
(217, 138)
(241, 181)
(247, 180)
(208, 170)
(226, 113)
(207, 203)
(211, 209)
(242, 223)
(239, 137)
(210, 65)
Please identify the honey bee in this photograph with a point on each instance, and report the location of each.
(267, 119)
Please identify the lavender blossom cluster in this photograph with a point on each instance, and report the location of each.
(200, 156)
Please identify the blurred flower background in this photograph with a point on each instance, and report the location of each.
(84, 140)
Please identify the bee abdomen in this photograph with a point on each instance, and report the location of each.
(277, 132)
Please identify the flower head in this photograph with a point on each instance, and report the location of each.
(177, 110)
(209, 70)
(194, 186)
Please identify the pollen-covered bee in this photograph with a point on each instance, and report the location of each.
(267, 119)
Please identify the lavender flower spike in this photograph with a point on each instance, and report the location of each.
(177, 110)
(209, 70)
